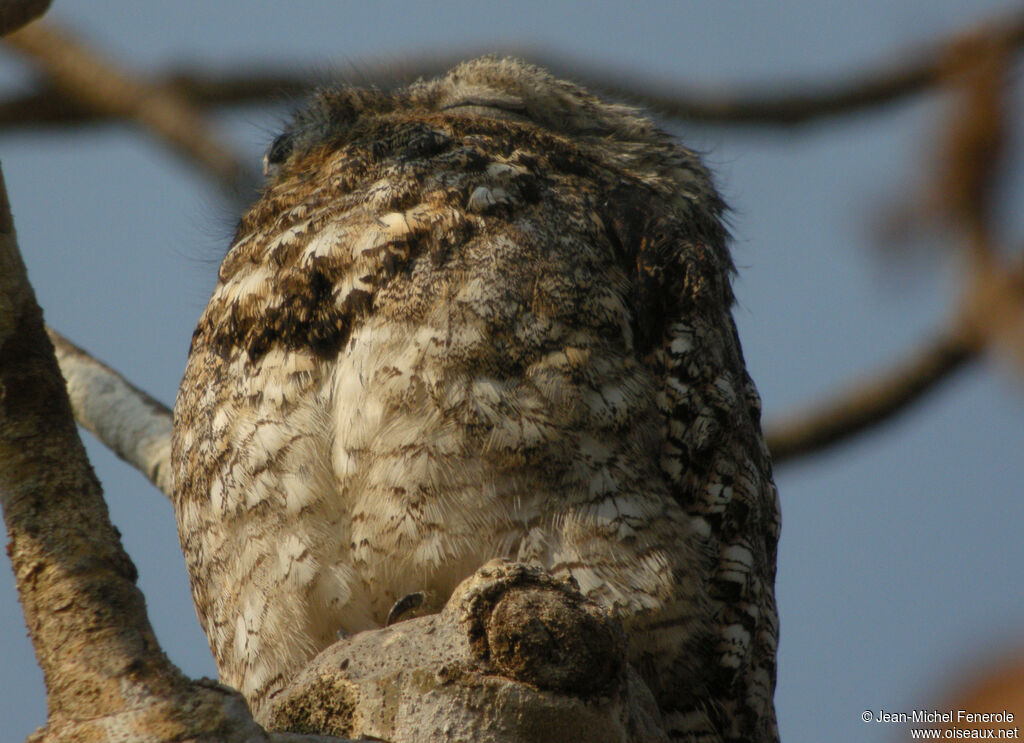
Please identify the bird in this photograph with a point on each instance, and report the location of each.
(482, 316)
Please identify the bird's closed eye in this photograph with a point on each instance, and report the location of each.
(488, 103)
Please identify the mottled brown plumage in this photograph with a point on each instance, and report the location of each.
(483, 316)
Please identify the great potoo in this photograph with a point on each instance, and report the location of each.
(482, 316)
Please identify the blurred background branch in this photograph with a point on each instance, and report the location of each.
(787, 105)
(989, 310)
(82, 76)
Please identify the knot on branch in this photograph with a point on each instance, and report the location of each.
(527, 626)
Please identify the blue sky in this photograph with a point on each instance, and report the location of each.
(900, 557)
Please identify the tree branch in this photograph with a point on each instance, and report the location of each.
(800, 103)
(790, 104)
(129, 422)
(17, 13)
(82, 76)
(867, 404)
(105, 674)
(990, 309)
(990, 315)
